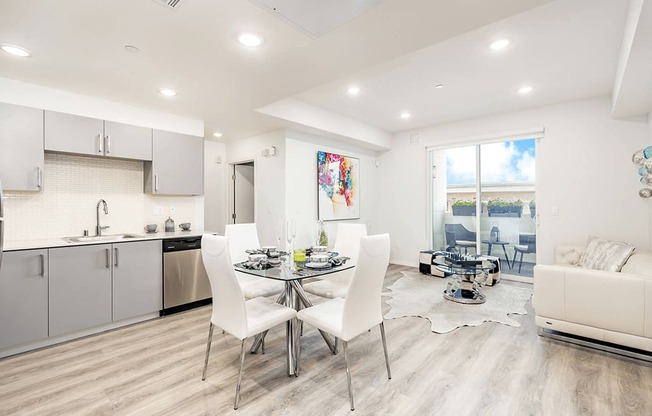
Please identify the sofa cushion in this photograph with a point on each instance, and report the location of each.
(640, 263)
(605, 255)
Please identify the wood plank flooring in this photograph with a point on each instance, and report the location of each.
(154, 368)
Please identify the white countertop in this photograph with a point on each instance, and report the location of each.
(60, 242)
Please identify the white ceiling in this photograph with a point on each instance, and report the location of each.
(79, 46)
(565, 50)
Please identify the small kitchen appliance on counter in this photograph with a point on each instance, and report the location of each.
(169, 225)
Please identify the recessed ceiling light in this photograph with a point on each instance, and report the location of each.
(168, 92)
(353, 90)
(526, 89)
(16, 50)
(217, 134)
(249, 39)
(405, 115)
(131, 49)
(439, 86)
(500, 44)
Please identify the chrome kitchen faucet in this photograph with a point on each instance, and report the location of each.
(98, 228)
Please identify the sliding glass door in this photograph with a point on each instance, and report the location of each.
(483, 201)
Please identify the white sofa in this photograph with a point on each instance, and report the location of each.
(614, 307)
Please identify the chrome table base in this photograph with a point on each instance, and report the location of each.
(294, 297)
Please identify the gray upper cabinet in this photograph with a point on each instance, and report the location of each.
(126, 141)
(21, 144)
(80, 288)
(177, 166)
(23, 297)
(89, 136)
(137, 279)
(74, 134)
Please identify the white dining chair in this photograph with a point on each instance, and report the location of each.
(244, 237)
(347, 243)
(360, 310)
(231, 312)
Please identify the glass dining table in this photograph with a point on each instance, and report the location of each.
(294, 297)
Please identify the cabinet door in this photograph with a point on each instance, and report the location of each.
(127, 142)
(73, 134)
(137, 279)
(80, 288)
(177, 165)
(23, 297)
(21, 144)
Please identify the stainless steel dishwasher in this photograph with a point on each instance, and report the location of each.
(185, 283)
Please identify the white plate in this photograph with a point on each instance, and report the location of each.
(318, 265)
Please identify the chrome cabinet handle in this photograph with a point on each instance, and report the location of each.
(100, 143)
(42, 264)
(108, 143)
(155, 183)
(108, 258)
(116, 257)
(39, 177)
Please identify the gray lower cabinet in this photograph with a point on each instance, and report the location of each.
(21, 144)
(70, 133)
(137, 279)
(23, 297)
(80, 288)
(177, 166)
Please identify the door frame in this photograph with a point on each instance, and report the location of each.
(231, 189)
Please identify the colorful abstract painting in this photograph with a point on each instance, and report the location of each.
(338, 186)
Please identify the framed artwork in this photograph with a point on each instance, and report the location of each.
(338, 187)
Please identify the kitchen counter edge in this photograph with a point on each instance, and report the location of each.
(60, 242)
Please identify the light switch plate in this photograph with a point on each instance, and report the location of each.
(173, 210)
(158, 211)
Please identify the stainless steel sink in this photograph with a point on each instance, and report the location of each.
(100, 238)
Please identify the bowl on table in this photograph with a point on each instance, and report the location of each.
(318, 261)
(270, 251)
(257, 257)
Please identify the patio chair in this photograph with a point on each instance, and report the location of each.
(457, 236)
(528, 244)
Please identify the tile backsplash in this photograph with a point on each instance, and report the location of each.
(73, 185)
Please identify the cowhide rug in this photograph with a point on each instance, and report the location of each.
(420, 295)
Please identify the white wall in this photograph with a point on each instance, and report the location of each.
(649, 123)
(584, 169)
(269, 182)
(301, 185)
(37, 96)
(215, 175)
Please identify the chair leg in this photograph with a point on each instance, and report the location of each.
(520, 263)
(382, 335)
(335, 343)
(514, 259)
(262, 345)
(208, 350)
(237, 388)
(348, 371)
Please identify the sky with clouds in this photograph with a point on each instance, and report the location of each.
(512, 161)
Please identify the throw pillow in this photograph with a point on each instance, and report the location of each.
(571, 257)
(605, 255)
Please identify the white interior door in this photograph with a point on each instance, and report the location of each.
(243, 193)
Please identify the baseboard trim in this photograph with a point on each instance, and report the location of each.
(597, 345)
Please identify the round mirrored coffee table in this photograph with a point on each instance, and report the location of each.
(468, 272)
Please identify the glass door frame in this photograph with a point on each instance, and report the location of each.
(536, 133)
